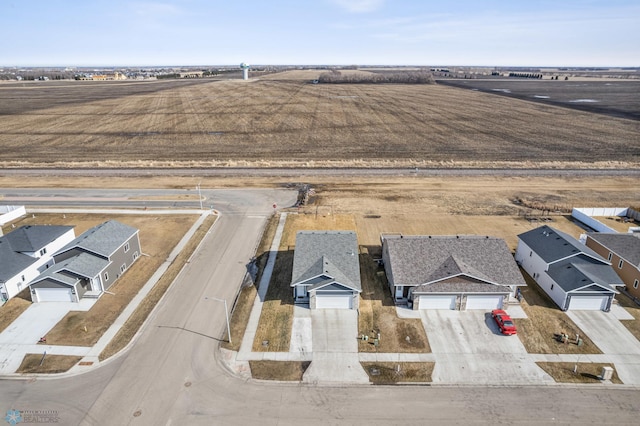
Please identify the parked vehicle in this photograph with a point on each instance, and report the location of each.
(504, 321)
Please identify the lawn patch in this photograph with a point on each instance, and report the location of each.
(13, 308)
(544, 321)
(279, 370)
(562, 372)
(378, 315)
(50, 365)
(389, 373)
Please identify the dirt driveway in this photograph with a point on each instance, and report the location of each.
(469, 348)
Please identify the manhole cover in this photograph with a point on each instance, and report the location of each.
(137, 413)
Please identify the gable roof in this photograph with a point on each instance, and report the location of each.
(324, 257)
(103, 239)
(417, 260)
(627, 246)
(25, 239)
(552, 245)
(579, 273)
(68, 271)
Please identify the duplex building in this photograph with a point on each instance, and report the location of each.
(450, 272)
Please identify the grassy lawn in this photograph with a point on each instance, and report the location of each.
(278, 370)
(388, 373)
(378, 315)
(546, 319)
(562, 372)
(158, 236)
(244, 303)
(632, 325)
(51, 364)
(135, 321)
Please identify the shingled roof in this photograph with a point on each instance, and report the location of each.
(552, 245)
(418, 260)
(627, 246)
(26, 239)
(324, 258)
(103, 239)
(581, 272)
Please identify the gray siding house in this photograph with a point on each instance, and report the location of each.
(450, 272)
(326, 270)
(89, 265)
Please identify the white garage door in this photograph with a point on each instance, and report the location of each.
(54, 295)
(333, 301)
(437, 301)
(484, 302)
(588, 303)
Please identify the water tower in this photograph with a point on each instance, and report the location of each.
(245, 70)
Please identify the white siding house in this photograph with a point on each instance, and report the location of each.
(26, 252)
(573, 275)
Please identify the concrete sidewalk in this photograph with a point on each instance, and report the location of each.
(244, 354)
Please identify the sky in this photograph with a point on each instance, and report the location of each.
(588, 33)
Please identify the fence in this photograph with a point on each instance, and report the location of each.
(9, 213)
(584, 215)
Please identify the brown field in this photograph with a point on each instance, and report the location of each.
(280, 118)
(562, 372)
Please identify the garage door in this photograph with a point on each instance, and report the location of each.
(54, 295)
(484, 302)
(333, 301)
(588, 303)
(437, 302)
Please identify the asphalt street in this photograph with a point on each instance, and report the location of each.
(172, 374)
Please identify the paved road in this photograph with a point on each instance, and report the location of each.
(172, 374)
(298, 172)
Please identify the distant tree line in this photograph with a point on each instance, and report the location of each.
(525, 75)
(409, 77)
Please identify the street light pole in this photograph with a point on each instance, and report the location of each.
(199, 194)
(226, 311)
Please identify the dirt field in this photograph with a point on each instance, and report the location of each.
(277, 118)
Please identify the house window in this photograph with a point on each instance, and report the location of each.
(126, 247)
(620, 264)
(635, 283)
(530, 253)
(106, 276)
(610, 256)
(123, 267)
(23, 278)
(551, 286)
(135, 255)
(43, 251)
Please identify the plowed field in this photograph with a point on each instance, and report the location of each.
(274, 119)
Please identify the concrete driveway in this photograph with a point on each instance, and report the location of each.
(469, 348)
(335, 348)
(613, 338)
(22, 335)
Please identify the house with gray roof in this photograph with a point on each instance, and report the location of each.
(572, 274)
(88, 265)
(26, 252)
(623, 251)
(450, 272)
(326, 270)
